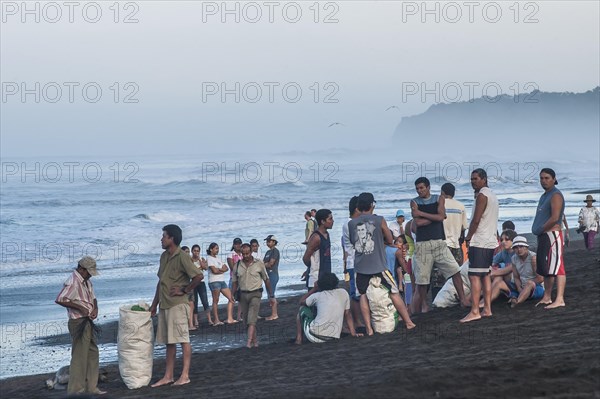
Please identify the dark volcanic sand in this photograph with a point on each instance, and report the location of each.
(523, 352)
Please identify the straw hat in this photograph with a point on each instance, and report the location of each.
(589, 198)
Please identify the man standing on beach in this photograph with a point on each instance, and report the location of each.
(249, 276)
(78, 297)
(428, 212)
(455, 223)
(370, 260)
(349, 262)
(481, 240)
(317, 256)
(547, 228)
(174, 275)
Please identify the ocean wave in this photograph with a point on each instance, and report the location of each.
(219, 205)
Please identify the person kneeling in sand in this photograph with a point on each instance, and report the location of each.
(526, 284)
(332, 305)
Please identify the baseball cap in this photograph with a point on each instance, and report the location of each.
(399, 213)
(89, 264)
(520, 241)
(271, 237)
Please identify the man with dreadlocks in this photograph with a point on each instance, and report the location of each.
(78, 297)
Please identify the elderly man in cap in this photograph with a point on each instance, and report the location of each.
(396, 227)
(78, 297)
(589, 219)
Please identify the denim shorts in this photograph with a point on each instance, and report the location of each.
(274, 279)
(217, 285)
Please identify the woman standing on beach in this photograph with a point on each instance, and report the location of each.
(232, 260)
(200, 290)
(217, 284)
(589, 219)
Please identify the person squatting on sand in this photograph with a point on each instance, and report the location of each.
(332, 307)
(217, 284)
(248, 277)
(77, 295)
(547, 227)
(526, 284)
(481, 241)
(317, 256)
(502, 262)
(171, 297)
(589, 219)
(369, 234)
(428, 212)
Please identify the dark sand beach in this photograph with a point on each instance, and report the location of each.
(524, 352)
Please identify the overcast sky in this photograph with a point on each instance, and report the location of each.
(162, 77)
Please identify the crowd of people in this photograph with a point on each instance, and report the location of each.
(421, 254)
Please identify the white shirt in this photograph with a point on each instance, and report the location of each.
(218, 263)
(330, 305)
(455, 222)
(348, 247)
(589, 218)
(485, 236)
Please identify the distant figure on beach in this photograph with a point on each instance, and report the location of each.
(371, 262)
(589, 219)
(217, 284)
(248, 277)
(77, 295)
(482, 241)
(331, 305)
(508, 225)
(455, 223)
(311, 226)
(397, 226)
(526, 283)
(256, 252)
(317, 256)
(186, 249)
(200, 290)
(271, 261)
(171, 297)
(428, 212)
(547, 227)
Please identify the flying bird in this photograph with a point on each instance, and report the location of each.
(336, 123)
(392, 106)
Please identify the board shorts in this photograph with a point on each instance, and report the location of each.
(480, 261)
(387, 280)
(537, 293)
(550, 254)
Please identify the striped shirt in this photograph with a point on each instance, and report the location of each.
(79, 291)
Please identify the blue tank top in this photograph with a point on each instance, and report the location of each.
(544, 211)
(434, 230)
(324, 254)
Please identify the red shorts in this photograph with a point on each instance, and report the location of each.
(550, 254)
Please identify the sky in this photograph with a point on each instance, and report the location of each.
(167, 78)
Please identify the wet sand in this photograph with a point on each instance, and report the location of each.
(521, 352)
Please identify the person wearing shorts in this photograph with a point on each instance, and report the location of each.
(368, 234)
(174, 285)
(271, 261)
(248, 277)
(349, 263)
(547, 227)
(428, 212)
(481, 241)
(322, 314)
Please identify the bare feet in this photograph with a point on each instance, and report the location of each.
(486, 313)
(543, 302)
(182, 381)
(298, 341)
(555, 304)
(218, 323)
(410, 326)
(470, 317)
(161, 382)
(272, 317)
(370, 331)
(232, 321)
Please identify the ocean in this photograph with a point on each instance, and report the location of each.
(54, 211)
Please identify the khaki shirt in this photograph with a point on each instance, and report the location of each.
(250, 278)
(175, 270)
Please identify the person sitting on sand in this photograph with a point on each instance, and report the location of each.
(249, 276)
(217, 284)
(332, 307)
(502, 262)
(526, 284)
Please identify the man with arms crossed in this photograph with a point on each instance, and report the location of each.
(174, 275)
(547, 228)
(428, 211)
(481, 240)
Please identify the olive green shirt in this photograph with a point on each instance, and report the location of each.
(175, 271)
(250, 278)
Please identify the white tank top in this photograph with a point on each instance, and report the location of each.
(485, 236)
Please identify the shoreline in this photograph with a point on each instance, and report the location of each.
(497, 350)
